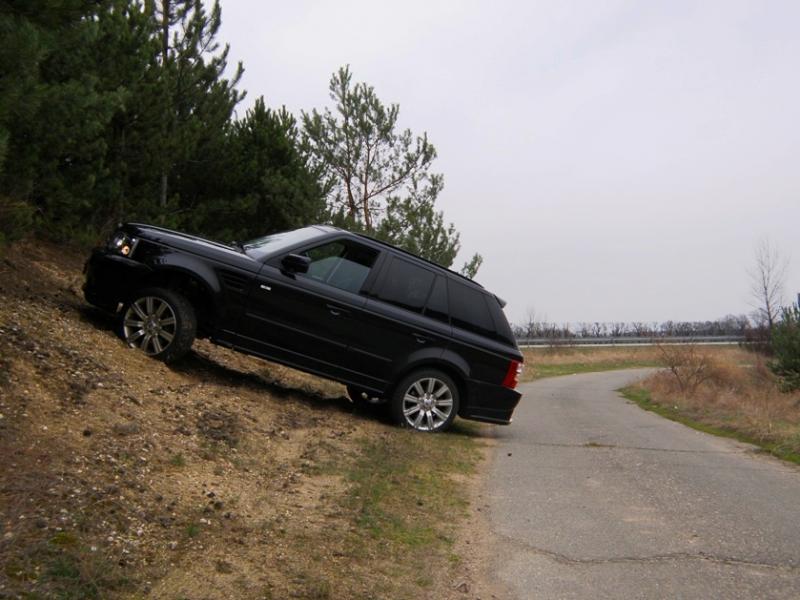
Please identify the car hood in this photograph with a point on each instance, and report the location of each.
(191, 243)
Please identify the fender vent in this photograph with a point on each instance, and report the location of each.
(234, 282)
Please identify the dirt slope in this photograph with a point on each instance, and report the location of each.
(159, 471)
(122, 477)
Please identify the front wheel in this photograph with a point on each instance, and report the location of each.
(159, 322)
(425, 400)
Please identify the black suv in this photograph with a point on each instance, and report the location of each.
(386, 323)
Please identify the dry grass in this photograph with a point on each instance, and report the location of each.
(731, 392)
(566, 360)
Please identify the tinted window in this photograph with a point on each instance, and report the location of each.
(468, 309)
(503, 330)
(406, 285)
(436, 308)
(341, 265)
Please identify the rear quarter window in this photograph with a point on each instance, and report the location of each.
(469, 310)
(502, 328)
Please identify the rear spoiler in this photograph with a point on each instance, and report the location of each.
(500, 301)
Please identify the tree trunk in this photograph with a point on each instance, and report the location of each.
(166, 9)
(162, 196)
(165, 13)
(367, 216)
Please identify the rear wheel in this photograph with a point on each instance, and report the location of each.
(426, 400)
(159, 322)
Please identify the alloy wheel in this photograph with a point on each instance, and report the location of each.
(149, 324)
(427, 404)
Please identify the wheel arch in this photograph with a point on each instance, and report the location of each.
(451, 368)
(196, 286)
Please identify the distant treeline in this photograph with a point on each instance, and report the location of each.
(114, 109)
(740, 325)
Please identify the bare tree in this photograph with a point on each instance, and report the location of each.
(618, 329)
(766, 281)
(690, 367)
(531, 325)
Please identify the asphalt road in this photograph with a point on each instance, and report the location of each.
(590, 496)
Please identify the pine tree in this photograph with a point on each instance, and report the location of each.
(267, 182)
(52, 111)
(194, 101)
(118, 110)
(380, 178)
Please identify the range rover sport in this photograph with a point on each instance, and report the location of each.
(389, 325)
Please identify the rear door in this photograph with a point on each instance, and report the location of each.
(405, 317)
(476, 337)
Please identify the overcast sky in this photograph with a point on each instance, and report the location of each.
(610, 160)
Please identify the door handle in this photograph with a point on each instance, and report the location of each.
(421, 338)
(266, 288)
(336, 311)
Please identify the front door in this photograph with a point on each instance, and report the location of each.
(304, 319)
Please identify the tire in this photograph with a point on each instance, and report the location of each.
(425, 400)
(160, 322)
(361, 397)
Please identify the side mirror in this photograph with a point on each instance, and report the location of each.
(295, 263)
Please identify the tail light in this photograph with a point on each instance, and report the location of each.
(512, 375)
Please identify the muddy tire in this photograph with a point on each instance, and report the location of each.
(159, 322)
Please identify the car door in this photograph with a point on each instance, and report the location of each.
(404, 320)
(475, 334)
(304, 318)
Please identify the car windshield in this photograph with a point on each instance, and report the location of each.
(276, 242)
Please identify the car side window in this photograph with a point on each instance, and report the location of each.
(340, 264)
(468, 309)
(502, 328)
(406, 285)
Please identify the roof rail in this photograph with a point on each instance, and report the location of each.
(406, 252)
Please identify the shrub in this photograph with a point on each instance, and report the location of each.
(16, 219)
(690, 366)
(786, 348)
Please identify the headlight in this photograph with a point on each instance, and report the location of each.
(122, 243)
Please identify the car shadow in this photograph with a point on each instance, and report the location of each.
(96, 317)
(202, 367)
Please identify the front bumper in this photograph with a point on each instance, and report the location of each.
(111, 279)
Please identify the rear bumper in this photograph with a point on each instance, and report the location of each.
(490, 403)
(110, 279)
